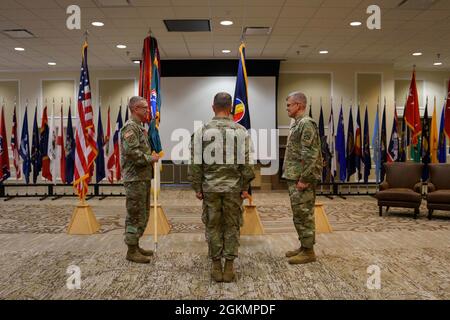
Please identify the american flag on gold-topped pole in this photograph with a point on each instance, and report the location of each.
(85, 140)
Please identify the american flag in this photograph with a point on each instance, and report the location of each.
(86, 145)
(15, 146)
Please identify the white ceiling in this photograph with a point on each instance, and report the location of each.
(319, 24)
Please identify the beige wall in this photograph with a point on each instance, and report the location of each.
(316, 86)
(61, 93)
(9, 92)
(113, 93)
(344, 85)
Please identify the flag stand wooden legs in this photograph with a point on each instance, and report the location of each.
(322, 223)
(162, 224)
(157, 222)
(252, 225)
(83, 221)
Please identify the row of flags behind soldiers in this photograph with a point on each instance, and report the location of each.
(415, 139)
(52, 152)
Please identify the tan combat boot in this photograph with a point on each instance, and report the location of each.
(228, 273)
(134, 255)
(293, 252)
(216, 270)
(147, 253)
(306, 255)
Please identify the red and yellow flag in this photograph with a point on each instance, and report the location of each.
(412, 115)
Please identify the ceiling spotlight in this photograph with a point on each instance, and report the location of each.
(121, 46)
(226, 51)
(226, 22)
(52, 63)
(355, 23)
(417, 54)
(438, 63)
(98, 24)
(19, 49)
(137, 61)
(323, 52)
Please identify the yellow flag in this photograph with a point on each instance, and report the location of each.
(434, 144)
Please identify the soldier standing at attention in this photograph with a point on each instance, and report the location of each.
(303, 170)
(220, 172)
(136, 161)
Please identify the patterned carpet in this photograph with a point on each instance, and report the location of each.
(35, 251)
(183, 211)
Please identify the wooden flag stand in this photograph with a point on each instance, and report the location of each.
(83, 221)
(322, 223)
(162, 224)
(157, 222)
(252, 225)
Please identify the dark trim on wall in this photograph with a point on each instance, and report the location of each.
(218, 68)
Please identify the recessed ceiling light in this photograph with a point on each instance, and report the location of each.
(121, 46)
(437, 64)
(323, 51)
(19, 49)
(417, 54)
(136, 61)
(52, 63)
(355, 23)
(226, 51)
(98, 24)
(226, 22)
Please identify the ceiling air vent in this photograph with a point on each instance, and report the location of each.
(19, 34)
(257, 31)
(416, 4)
(188, 25)
(113, 3)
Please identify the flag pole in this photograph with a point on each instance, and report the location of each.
(155, 211)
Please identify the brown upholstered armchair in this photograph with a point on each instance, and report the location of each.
(402, 187)
(438, 196)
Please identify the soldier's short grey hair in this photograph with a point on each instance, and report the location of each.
(134, 101)
(222, 100)
(298, 97)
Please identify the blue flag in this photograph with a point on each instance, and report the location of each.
(376, 146)
(36, 158)
(393, 153)
(442, 152)
(70, 150)
(100, 160)
(126, 115)
(383, 143)
(358, 145)
(340, 147)
(24, 150)
(324, 145)
(366, 148)
(351, 166)
(241, 113)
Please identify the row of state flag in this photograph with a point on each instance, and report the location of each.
(52, 152)
(415, 139)
(70, 155)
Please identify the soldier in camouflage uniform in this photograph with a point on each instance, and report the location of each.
(303, 170)
(221, 174)
(136, 163)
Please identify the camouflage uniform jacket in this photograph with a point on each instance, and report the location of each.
(135, 155)
(303, 157)
(223, 175)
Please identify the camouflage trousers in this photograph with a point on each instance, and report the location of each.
(138, 207)
(302, 204)
(223, 218)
